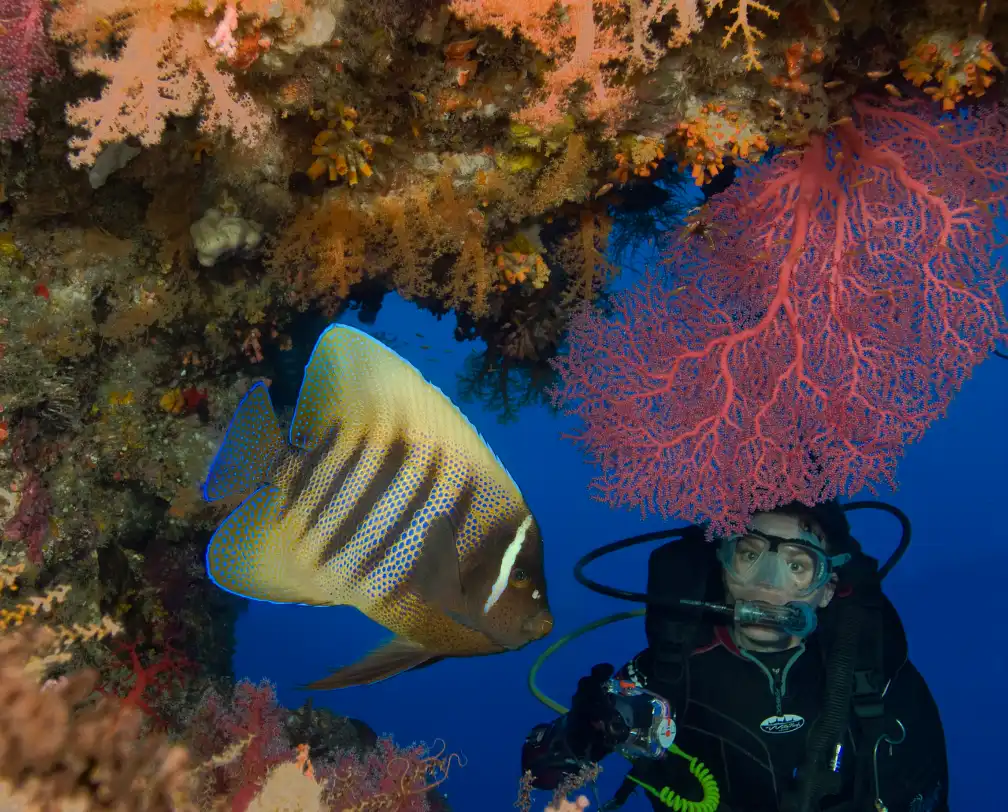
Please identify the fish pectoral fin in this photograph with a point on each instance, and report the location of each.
(391, 658)
(436, 577)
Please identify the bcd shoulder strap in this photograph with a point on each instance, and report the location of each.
(855, 684)
(867, 701)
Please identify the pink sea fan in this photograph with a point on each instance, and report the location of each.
(850, 291)
(24, 55)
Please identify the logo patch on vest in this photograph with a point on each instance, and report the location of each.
(785, 723)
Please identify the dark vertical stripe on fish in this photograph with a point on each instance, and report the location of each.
(366, 500)
(463, 507)
(395, 529)
(307, 466)
(459, 513)
(336, 483)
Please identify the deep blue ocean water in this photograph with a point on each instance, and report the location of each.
(950, 590)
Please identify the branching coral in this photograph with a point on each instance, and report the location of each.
(167, 67)
(55, 753)
(851, 292)
(492, 151)
(582, 45)
(742, 25)
(55, 750)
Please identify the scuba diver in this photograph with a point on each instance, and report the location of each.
(803, 700)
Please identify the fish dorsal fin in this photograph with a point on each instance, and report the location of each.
(389, 659)
(356, 383)
(249, 556)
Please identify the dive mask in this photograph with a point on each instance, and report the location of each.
(797, 566)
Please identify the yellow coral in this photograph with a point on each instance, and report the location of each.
(750, 33)
(638, 155)
(340, 153)
(8, 248)
(173, 401)
(520, 259)
(958, 67)
(713, 133)
(121, 398)
(9, 618)
(59, 636)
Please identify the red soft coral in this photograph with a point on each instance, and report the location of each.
(252, 722)
(849, 293)
(144, 682)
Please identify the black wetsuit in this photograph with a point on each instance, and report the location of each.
(725, 718)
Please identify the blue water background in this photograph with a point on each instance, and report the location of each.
(950, 590)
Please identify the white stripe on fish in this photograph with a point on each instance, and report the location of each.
(510, 554)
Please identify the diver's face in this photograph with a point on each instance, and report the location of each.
(765, 637)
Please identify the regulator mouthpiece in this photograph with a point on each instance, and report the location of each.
(794, 618)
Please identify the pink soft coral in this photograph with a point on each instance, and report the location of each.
(583, 41)
(30, 523)
(162, 71)
(168, 67)
(250, 721)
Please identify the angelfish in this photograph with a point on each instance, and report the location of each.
(385, 498)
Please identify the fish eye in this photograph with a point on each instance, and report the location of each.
(519, 577)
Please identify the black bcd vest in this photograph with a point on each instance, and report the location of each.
(863, 643)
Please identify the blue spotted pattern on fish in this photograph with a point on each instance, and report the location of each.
(384, 497)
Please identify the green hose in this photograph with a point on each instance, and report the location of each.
(673, 800)
(563, 641)
(711, 792)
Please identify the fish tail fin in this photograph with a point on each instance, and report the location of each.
(251, 554)
(251, 444)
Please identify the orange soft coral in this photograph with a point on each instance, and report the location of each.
(950, 69)
(714, 133)
(164, 70)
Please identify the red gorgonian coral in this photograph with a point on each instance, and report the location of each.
(845, 294)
